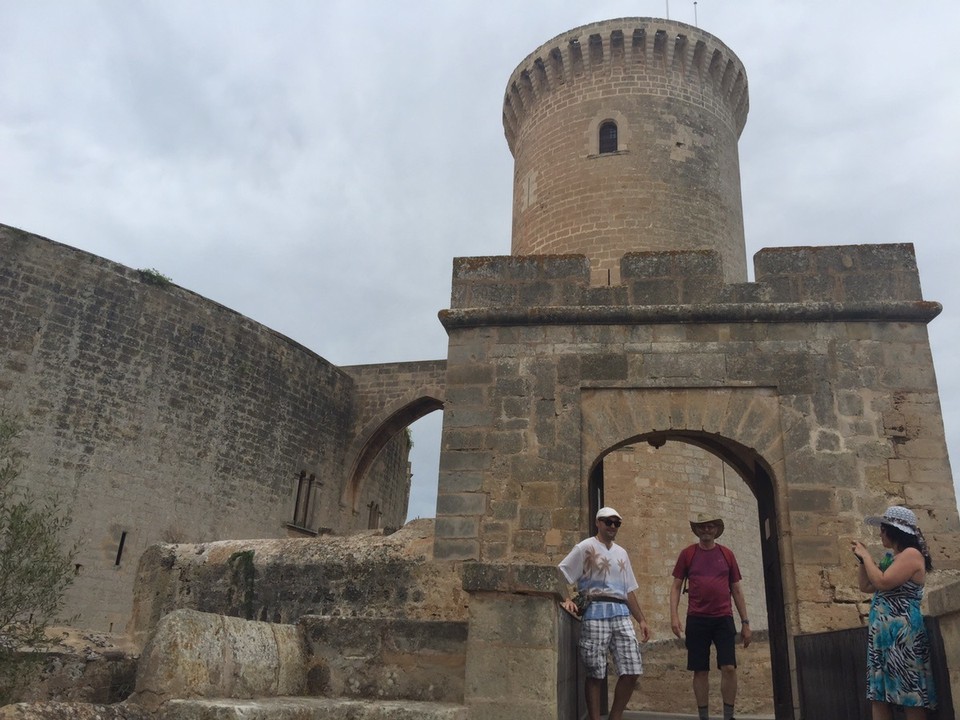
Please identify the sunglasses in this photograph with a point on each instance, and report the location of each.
(608, 522)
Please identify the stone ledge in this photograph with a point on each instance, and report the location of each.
(516, 579)
(804, 312)
(944, 600)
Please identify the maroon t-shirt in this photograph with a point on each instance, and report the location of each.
(709, 578)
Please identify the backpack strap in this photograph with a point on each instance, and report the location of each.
(688, 553)
(728, 556)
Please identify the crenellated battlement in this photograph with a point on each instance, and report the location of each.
(676, 52)
(847, 282)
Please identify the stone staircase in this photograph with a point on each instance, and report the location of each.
(201, 666)
(307, 708)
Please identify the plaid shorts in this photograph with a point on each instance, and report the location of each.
(616, 635)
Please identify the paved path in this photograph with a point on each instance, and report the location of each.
(630, 715)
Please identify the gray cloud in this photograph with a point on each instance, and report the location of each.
(317, 166)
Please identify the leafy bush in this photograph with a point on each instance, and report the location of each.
(36, 566)
(154, 277)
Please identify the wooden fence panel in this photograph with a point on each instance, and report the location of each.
(832, 675)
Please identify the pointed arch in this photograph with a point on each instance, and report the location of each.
(741, 427)
(376, 436)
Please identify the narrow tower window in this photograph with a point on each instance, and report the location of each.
(301, 510)
(123, 539)
(608, 137)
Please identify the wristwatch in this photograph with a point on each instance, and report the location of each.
(744, 622)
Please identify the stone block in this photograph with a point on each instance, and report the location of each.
(453, 549)
(498, 672)
(462, 482)
(811, 586)
(514, 620)
(509, 709)
(531, 579)
(539, 494)
(823, 617)
(604, 367)
(657, 291)
(817, 500)
(809, 550)
(465, 461)
(457, 527)
(388, 658)
(461, 503)
(193, 654)
(926, 495)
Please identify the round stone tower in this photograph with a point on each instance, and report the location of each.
(624, 135)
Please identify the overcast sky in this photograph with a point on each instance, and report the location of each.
(317, 165)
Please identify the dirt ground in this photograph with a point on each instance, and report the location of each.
(666, 683)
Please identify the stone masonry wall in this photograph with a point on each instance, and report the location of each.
(387, 398)
(161, 416)
(659, 490)
(821, 371)
(678, 97)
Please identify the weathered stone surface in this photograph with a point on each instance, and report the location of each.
(73, 711)
(311, 709)
(282, 580)
(193, 654)
(386, 659)
(83, 667)
(174, 419)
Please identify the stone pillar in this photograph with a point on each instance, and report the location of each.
(514, 652)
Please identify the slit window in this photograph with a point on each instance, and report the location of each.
(608, 137)
(301, 510)
(123, 540)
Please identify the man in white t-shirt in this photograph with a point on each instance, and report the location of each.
(601, 570)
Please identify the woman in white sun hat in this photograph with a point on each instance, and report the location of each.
(898, 649)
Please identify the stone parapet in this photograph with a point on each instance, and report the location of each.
(283, 580)
(830, 284)
(514, 649)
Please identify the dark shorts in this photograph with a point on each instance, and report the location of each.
(701, 632)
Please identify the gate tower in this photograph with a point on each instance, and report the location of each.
(624, 135)
(623, 319)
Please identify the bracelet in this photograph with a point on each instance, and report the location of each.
(744, 622)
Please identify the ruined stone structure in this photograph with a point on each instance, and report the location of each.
(618, 355)
(159, 416)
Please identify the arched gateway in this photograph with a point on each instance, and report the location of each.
(815, 382)
(711, 419)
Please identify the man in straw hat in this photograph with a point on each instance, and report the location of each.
(709, 573)
(601, 571)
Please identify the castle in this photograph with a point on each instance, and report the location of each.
(620, 332)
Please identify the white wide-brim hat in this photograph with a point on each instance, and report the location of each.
(898, 516)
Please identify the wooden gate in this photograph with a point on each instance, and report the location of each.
(832, 674)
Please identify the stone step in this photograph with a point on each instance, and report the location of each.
(301, 708)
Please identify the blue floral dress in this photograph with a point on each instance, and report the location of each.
(898, 649)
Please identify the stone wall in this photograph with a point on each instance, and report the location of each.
(161, 416)
(659, 490)
(388, 398)
(816, 382)
(364, 575)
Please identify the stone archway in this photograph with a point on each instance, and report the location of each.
(733, 425)
(376, 438)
